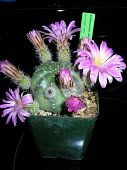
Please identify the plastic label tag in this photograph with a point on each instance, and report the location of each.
(87, 25)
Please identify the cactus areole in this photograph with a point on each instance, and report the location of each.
(46, 87)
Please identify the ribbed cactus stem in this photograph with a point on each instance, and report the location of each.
(64, 52)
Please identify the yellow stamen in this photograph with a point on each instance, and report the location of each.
(98, 61)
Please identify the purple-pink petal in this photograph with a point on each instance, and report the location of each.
(8, 101)
(14, 118)
(80, 60)
(12, 93)
(24, 113)
(103, 79)
(110, 78)
(95, 49)
(21, 117)
(104, 50)
(70, 26)
(108, 53)
(115, 72)
(69, 109)
(84, 64)
(85, 71)
(122, 65)
(6, 105)
(57, 32)
(103, 47)
(62, 24)
(9, 97)
(27, 98)
(120, 79)
(16, 93)
(94, 73)
(7, 111)
(75, 30)
(47, 29)
(84, 53)
(9, 117)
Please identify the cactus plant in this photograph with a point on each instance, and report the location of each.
(58, 85)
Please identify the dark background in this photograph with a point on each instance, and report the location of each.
(107, 149)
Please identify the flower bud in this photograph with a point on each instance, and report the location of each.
(66, 79)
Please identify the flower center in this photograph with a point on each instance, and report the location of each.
(18, 105)
(98, 61)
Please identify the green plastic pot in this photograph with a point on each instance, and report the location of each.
(62, 137)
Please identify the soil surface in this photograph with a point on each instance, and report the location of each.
(90, 99)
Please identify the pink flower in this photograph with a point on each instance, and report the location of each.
(74, 103)
(15, 105)
(101, 63)
(59, 32)
(66, 79)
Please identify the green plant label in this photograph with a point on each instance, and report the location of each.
(87, 25)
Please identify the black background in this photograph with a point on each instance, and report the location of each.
(107, 148)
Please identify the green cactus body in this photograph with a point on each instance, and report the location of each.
(46, 88)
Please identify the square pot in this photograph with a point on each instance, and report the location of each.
(62, 136)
